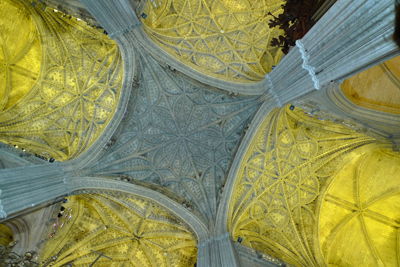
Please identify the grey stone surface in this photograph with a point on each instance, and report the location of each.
(70, 7)
(180, 136)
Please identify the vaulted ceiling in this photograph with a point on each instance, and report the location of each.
(309, 189)
(20, 53)
(131, 230)
(181, 136)
(229, 40)
(60, 112)
(305, 185)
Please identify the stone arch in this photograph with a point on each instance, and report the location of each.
(92, 183)
(21, 232)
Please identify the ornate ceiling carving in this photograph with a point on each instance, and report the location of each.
(359, 218)
(288, 200)
(288, 164)
(76, 94)
(131, 230)
(228, 40)
(20, 53)
(180, 136)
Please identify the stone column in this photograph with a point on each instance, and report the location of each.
(350, 37)
(115, 16)
(217, 251)
(26, 187)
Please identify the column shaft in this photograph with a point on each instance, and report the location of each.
(115, 16)
(25, 187)
(217, 251)
(351, 36)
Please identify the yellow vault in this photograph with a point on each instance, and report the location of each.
(63, 110)
(131, 230)
(228, 40)
(299, 199)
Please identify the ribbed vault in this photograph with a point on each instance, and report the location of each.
(72, 100)
(359, 217)
(290, 162)
(181, 136)
(131, 230)
(20, 53)
(228, 40)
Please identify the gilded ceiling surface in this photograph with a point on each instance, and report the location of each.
(359, 221)
(72, 100)
(275, 201)
(131, 230)
(6, 235)
(376, 88)
(181, 136)
(20, 53)
(225, 39)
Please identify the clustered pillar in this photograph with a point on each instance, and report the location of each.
(26, 187)
(351, 37)
(217, 251)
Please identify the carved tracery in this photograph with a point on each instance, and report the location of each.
(131, 230)
(229, 40)
(288, 164)
(181, 136)
(72, 100)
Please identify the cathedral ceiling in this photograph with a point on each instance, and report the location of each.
(67, 106)
(292, 200)
(181, 136)
(377, 88)
(225, 39)
(131, 230)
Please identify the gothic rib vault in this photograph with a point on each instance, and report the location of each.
(20, 54)
(226, 39)
(315, 193)
(132, 230)
(76, 93)
(179, 137)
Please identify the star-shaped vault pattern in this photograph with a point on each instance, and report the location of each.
(290, 160)
(181, 136)
(225, 39)
(131, 230)
(75, 95)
